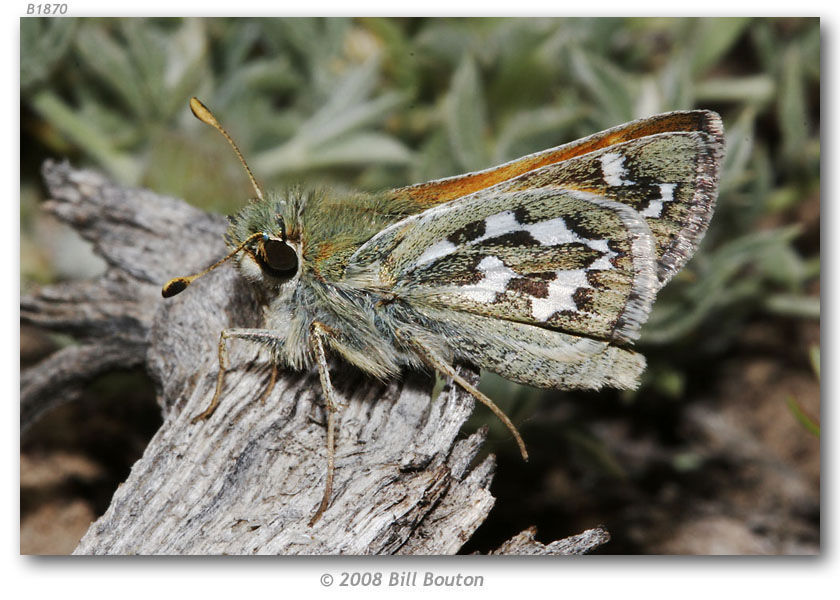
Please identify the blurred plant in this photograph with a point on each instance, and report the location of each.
(807, 422)
(115, 92)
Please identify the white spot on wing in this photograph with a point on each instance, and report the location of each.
(496, 278)
(499, 224)
(552, 232)
(560, 292)
(612, 165)
(666, 194)
(604, 262)
(436, 251)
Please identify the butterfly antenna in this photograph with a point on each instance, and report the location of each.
(202, 113)
(179, 284)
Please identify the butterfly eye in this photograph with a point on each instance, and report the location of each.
(277, 258)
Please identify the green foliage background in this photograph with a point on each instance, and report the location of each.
(374, 103)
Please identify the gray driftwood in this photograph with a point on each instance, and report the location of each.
(247, 480)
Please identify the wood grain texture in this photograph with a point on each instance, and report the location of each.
(247, 480)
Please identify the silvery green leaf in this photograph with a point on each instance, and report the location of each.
(109, 60)
(740, 137)
(185, 65)
(791, 305)
(355, 149)
(326, 125)
(531, 130)
(361, 149)
(793, 118)
(465, 117)
(147, 53)
(43, 43)
(713, 38)
(612, 90)
(758, 89)
(434, 160)
(81, 132)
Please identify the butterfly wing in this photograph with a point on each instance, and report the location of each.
(575, 250)
(553, 257)
(536, 285)
(665, 167)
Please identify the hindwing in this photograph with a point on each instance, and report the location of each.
(557, 258)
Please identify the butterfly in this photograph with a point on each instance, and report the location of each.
(541, 270)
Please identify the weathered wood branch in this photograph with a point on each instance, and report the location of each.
(247, 480)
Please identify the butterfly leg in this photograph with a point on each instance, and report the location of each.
(320, 333)
(431, 358)
(263, 336)
(271, 383)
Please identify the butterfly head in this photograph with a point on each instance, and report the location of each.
(269, 256)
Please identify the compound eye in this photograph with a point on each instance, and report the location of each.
(277, 258)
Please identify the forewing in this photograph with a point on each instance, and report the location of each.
(668, 179)
(665, 167)
(439, 191)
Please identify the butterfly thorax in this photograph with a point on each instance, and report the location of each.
(324, 228)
